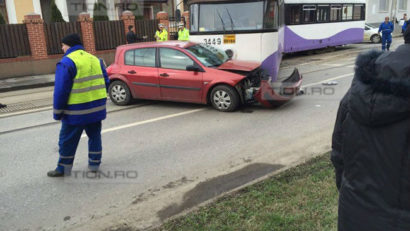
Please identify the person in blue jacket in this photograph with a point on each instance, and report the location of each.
(404, 27)
(386, 28)
(80, 94)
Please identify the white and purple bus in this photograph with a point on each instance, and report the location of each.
(262, 30)
(324, 23)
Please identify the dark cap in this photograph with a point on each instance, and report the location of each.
(72, 40)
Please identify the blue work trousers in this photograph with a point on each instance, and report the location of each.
(386, 39)
(69, 138)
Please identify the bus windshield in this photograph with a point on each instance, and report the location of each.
(208, 55)
(235, 16)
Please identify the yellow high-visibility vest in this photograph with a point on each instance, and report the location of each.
(183, 34)
(162, 36)
(89, 82)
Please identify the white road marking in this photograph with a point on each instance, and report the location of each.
(149, 121)
(327, 80)
(332, 65)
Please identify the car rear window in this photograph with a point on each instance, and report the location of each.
(144, 57)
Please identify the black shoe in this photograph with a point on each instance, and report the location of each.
(2, 105)
(55, 173)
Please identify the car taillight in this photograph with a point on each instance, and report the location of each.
(109, 70)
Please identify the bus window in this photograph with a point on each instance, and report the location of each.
(293, 14)
(194, 17)
(347, 12)
(271, 15)
(336, 13)
(323, 13)
(357, 12)
(229, 17)
(309, 14)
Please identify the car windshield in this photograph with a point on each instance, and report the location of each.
(208, 55)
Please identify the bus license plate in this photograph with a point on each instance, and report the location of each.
(229, 39)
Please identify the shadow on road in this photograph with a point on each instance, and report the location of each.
(218, 185)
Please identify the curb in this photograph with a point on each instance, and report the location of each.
(25, 87)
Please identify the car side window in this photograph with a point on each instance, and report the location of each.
(174, 59)
(129, 57)
(144, 57)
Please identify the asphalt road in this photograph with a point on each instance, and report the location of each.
(162, 157)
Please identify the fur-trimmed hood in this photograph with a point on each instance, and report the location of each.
(380, 92)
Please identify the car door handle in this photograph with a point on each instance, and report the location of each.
(164, 75)
(132, 72)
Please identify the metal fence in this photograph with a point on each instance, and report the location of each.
(14, 41)
(146, 28)
(54, 32)
(109, 34)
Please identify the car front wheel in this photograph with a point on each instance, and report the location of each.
(375, 38)
(224, 98)
(119, 93)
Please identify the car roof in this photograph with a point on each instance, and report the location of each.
(173, 43)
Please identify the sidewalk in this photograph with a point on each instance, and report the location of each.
(28, 82)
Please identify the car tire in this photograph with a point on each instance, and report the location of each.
(224, 98)
(119, 93)
(375, 38)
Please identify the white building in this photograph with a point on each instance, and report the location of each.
(377, 10)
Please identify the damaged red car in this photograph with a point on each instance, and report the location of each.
(194, 73)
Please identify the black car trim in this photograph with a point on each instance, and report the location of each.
(166, 86)
(181, 87)
(146, 84)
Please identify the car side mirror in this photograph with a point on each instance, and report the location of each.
(193, 68)
(229, 53)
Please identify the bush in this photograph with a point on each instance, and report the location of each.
(100, 12)
(55, 13)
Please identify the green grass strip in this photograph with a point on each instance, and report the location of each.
(300, 199)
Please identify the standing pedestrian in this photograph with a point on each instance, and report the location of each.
(386, 28)
(131, 37)
(80, 95)
(183, 33)
(371, 144)
(403, 22)
(161, 34)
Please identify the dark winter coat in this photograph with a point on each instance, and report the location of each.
(131, 37)
(371, 145)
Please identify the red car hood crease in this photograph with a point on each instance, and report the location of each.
(239, 65)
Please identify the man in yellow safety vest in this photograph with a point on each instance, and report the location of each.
(183, 33)
(161, 34)
(80, 95)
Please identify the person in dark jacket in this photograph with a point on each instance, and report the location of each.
(80, 95)
(131, 37)
(371, 144)
(386, 28)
